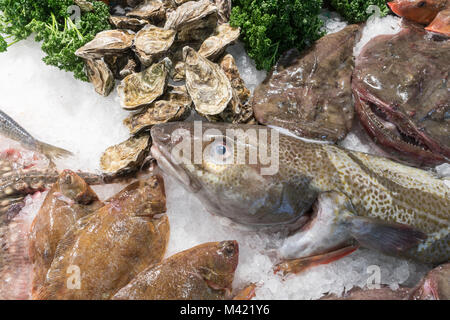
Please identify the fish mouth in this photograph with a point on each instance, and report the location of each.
(161, 151)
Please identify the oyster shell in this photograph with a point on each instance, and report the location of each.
(122, 65)
(175, 105)
(121, 22)
(152, 10)
(223, 10)
(84, 5)
(206, 83)
(140, 89)
(178, 72)
(126, 156)
(109, 42)
(215, 45)
(100, 76)
(189, 14)
(228, 65)
(198, 31)
(238, 110)
(152, 42)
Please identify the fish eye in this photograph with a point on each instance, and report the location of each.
(221, 149)
(421, 4)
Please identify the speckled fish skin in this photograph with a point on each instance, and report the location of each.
(204, 272)
(374, 188)
(112, 245)
(69, 199)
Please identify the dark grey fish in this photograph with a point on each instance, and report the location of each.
(11, 129)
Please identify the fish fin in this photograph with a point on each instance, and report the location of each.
(299, 265)
(247, 293)
(387, 237)
(53, 152)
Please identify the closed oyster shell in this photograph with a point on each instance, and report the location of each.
(140, 89)
(238, 110)
(152, 10)
(174, 106)
(121, 22)
(189, 13)
(206, 83)
(126, 156)
(84, 5)
(122, 65)
(109, 42)
(215, 45)
(178, 72)
(100, 76)
(199, 30)
(152, 42)
(228, 64)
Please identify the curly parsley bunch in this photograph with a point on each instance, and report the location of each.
(355, 11)
(270, 27)
(50, 20)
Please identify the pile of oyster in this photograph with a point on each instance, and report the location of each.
(169, 57)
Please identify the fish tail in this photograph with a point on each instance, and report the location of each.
(53, 152)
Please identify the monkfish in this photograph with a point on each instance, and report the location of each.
(433, 13)
(258, 176)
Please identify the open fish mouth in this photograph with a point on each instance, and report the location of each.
(394, 130)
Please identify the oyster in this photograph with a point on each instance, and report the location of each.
(215, 45)
(198, 31)
(310, 93)
(152, 10)
(84, 5)
(152, 42)
(402, 94)
(228, 64)
(100, 76)
(174, 106)
(178, 72)
(140, 89)
(126, 156)
(223, 10)
(206, 83)
(122, 65)
(129, 23)
(109, 42)
(188, 15)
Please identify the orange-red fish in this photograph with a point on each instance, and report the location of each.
(434, 13)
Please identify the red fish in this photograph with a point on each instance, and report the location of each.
(434, 13)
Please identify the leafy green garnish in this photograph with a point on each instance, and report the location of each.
(51, 21)
(354, 11)
(270, 27)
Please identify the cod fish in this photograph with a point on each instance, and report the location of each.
(69, 199)
(204, 272)
(434, 13)
(11, 129)
(105, 250)
(361, 199)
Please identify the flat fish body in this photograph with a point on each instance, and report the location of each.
(102, 252)
(310, 94)
(69, 199)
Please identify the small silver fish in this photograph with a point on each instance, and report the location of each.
(11, 129)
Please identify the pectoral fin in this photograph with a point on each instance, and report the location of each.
(387, 237)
